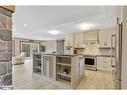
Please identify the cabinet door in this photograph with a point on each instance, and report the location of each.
(105, 37)
(49, 67)
(91, 36)
(75, 71)
(103, 34)
(79, 39)
(82, 68)
(69, 40)
(104, 63)
(52, 68)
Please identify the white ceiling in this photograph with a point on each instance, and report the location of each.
(40, 19)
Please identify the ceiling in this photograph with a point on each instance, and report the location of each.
(33, 22)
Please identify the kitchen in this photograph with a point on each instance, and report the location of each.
(78, 51)
(92, 50)
(76, 48)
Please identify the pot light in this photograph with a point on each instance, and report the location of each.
(85, 26)
(54, 32)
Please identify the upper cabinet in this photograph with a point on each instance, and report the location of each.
(107, 38)
(69, 40)
(79, 40)
(91, 36)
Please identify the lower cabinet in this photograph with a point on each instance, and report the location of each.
(81, 63)
(104, 63)
(61, 69)
(69, 70)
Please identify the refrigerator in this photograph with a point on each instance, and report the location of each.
(118, 56)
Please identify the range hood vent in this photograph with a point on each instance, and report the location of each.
(91, 37)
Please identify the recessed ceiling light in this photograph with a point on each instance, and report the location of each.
(85, 26)
(25, 25)
(54, 32)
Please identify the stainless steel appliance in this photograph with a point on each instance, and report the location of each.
(90, 62)
(118, 57)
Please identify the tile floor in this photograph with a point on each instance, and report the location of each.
(23, 79)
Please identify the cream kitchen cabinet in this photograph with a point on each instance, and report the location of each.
(79, 40)
(105, 38)
(104, 63)
(91, 36)
(69, 40)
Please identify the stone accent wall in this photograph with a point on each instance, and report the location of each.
(5, 49)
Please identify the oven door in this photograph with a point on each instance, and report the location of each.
(90, 63)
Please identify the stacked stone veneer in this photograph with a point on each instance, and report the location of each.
(6, 45)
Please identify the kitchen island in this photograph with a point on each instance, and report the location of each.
(64, 69)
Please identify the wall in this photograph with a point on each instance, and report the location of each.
(5, 47)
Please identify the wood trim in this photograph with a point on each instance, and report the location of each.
(10, 8)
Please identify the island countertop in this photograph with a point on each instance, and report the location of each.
(68, 54)
(57, 54)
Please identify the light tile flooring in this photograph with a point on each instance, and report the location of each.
(23, 79)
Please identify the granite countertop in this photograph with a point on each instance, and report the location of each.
(100, 55)
(59, 54)
(105, 55)
(81, 55)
